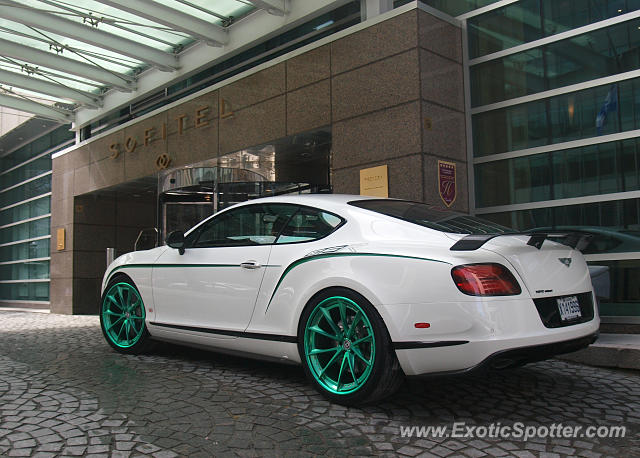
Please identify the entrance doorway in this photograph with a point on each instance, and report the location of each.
(292, 165)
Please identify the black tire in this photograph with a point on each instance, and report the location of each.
(122, 317)
(385, 375)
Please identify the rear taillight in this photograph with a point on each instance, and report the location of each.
(485, 280)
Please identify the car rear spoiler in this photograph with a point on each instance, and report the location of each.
(575, 240)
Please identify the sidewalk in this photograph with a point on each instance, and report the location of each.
(610, 350)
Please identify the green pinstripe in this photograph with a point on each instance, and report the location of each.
(335, 255)
(142, 266)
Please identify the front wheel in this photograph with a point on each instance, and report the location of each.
(346, 350)
(122, 317)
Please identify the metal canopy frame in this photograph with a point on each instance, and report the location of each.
(176, 19)
(31, 106)
(76, 60)
(26, 15)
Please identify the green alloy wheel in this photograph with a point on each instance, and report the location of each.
(346, 349)
(122, 317)
(339, 345)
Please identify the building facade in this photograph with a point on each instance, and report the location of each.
(535, 102)
(554, 111)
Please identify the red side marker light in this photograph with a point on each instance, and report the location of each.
(422, 325)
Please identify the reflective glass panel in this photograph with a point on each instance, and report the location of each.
(27, 210)
(29, 170)
(27, 250)
(25, 270)
(596, 54)
(27, 230)
(594, 169)
(24, 291)
(26, 191)
(529, 20)
(592, 112)
(617, 287)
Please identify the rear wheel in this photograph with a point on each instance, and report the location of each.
(122, 317)
(346, 349)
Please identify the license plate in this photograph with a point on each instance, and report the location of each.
(569, 308)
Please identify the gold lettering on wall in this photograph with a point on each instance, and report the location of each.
(115, 150)
(201, 116)
(148, 133)
(163, 161)
(130, 144)
(225, 109)
(180, 120)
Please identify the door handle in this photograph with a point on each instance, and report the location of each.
(250, 265)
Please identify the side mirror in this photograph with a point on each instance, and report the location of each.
(176, 240)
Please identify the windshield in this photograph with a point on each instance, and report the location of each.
(431, 216)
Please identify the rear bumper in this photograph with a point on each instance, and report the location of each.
(461, 356)
(518, 356)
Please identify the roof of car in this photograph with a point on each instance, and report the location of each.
(316, 200)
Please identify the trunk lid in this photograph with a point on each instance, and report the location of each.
(552, 270)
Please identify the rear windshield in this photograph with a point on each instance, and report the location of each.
(431, 217)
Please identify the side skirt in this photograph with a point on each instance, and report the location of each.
(224, 332)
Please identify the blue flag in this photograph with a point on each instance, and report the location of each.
(610, 104)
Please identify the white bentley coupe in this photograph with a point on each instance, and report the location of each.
(360, 291)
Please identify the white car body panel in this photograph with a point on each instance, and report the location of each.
(220, 291)
(402, 269)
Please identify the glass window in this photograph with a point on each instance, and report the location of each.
(31, 270)
(24, 291)
(47, 141)
(244, 226)
(615, 225)
(530, 20)
(31, 229)
(617, 287)
(596, 54)
(26, 191)
(594, 169)
(430, 216)
(28, 170)
(592, 112)
(27, 210)
(309, 224)
(26, 250)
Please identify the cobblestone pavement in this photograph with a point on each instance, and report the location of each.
(63, 391)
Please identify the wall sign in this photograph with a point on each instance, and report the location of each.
(447, 182)
(200, 117)
(374, 182)
(60, 239)
(163, 161)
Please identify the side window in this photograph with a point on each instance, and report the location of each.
(308, 224)
(244, 226)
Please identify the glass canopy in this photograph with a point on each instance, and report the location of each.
(57, 55)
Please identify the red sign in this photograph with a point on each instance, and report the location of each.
(447, 182)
